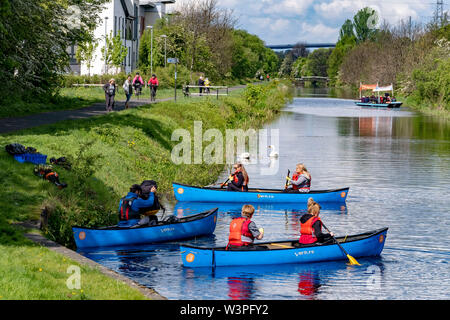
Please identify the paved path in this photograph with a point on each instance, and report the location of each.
(14, 124)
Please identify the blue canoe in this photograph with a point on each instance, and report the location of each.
(209, 194)
(186, 227)
(284, 252)
(396, 104)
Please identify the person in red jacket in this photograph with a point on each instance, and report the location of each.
(301, 180)
(243, 231)
(311, 226)
(153, 85)
(238, 180)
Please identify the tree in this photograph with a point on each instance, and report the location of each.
(85, 52)
(34, 36)
(363, 23)
(317, 63)
(346, 30)
(343, 46)
(286, 65)
(116, 52)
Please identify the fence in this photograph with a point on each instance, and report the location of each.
(205, 91)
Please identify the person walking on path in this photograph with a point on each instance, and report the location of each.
(110, 92)
(201, 83)
(128, 89)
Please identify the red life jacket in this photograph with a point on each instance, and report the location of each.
(307, 235)
(306, 186)
(125, 212)
(239, 228)
(236, 180)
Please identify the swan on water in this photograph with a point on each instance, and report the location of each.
(273, 153)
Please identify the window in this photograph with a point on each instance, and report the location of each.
(129, 29)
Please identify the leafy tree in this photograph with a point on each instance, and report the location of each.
(85, 52)
(299, 67)
(250, 56)
(362, 23)
(34, 36)
(343, 46)
(286, 65)
(116, 52)
(347, 30)
(317, 63)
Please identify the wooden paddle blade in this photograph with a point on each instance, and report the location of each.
(352, 260)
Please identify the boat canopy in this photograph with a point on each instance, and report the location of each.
(387, 88)
(367, 87)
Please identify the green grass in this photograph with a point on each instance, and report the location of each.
(32, 272)
(108, 154)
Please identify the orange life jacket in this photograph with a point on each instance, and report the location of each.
(307, 235)
(239, 228)
(306, 186)
(51, 174)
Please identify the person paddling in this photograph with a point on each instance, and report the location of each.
(243, 231)
(238, 179)
(311, 226)
(300, 181)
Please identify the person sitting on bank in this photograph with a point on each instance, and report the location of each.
(300, 181)
(239, 179)
(311, 226)
(132, 206)
(243, 231)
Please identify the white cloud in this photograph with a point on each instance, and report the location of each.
(389, 11)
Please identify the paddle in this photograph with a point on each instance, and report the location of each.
(350, 258)
(222, 184)
(287, 181)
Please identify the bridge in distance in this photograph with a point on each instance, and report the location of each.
(307, 45)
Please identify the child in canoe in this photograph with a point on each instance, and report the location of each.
(311, 225)
(239, 179)
(243, 231)
(300, 181)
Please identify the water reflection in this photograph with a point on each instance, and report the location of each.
(189, 208)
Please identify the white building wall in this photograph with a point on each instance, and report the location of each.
(114, 9)
(98, 65)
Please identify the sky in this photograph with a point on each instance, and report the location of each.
(314, 21)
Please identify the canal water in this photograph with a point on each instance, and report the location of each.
(397, 165)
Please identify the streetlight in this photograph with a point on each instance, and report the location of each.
(165, 49)
(151, 48)
(106, 44)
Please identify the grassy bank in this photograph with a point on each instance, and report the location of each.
(108, 154)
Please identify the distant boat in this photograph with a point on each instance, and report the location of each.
(395, 104)
(378, 103)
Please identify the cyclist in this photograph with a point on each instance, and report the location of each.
(153, 85)
(138, 83)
